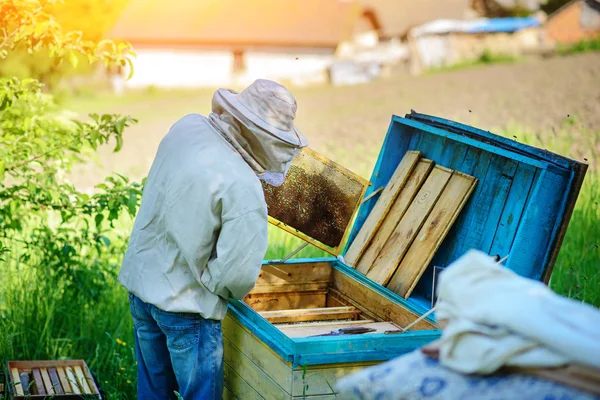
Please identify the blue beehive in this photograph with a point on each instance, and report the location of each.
(520, 207)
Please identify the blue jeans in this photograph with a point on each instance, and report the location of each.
(176, 352)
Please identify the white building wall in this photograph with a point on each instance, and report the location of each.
(181, 68)
(207, 68)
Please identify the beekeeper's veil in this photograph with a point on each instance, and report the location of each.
(265, 135)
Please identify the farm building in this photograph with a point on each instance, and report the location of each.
(232, 42)
(577, 20)
(447, 42)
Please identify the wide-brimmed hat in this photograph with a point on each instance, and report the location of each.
(268, 105)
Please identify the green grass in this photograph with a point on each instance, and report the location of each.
(583, 46)
(486, 58)
(37, 321)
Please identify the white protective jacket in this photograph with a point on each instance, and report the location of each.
(200, 235)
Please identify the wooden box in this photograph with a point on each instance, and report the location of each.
(519, 209)
(56, 379)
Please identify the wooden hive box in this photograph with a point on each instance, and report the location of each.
(517, 202)
(56, 379)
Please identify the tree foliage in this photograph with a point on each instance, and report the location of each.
(45, 222)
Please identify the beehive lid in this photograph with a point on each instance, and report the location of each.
(317, 201)
(520, 207)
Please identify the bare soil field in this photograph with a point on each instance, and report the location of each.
(348, 123)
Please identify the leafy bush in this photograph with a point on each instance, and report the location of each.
(59, 248)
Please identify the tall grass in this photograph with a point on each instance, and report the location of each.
(37, 320)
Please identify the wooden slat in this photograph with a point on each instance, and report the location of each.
(318, 329)
(294, 273)
(258, 352)
(396, 212)
(39, 382)
(286, 300)
(310, 314)
(237, 386)
(382, 207)
(81, 379)
(319, 381)
(375, 303)
(73, 380)
(62, 375)
(431, 235)
(518, 196)
(396, 247)
(17, 382)
(254, 374)
(55, 380)
(289, 287)
(323, 323)
(47, 382)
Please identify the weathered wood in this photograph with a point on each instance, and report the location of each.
(55, 380)
(262, 383)
(290, 287)
(396, 212)
(520, 190)
(39, 382)
(382, 207)
(310, 314)
(397, 245)
(24, 376)
(294, 273)
(375, 303)
(258, 352)
(319, 329)
(287, 300)
(316, 381)
(431, 235)
(81, 380)
(237, 387)
(62, 375)
(73, 380)
(18, 385)
(47, 382)
(322, 323)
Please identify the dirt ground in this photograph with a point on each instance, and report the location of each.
(348, 124)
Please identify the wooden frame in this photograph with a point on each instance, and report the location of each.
(357, 202)
(72, 374)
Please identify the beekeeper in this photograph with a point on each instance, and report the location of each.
(200, 235)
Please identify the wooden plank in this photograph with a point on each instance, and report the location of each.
(376, 303)
(47, 382)
(286, 300)
(73, 380)
(290, 287)
(310, 314)
(39, 383)
(258, 352)
(382, 207)
(431, 235)
(62, 375)
(518, 196)
(318, 329)
(90, 379)
(253, 374)
(55, 380)
(227, 395)
(18, 385)
(321, 381)
(498, 204)
(477, 164)
(396, 212)
(294, 273)
(322, 323)
(237, 387)
(82, 381)
(396, 247)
